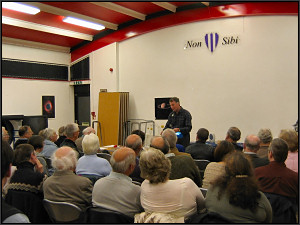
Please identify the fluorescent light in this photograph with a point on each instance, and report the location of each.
(131, 34)
(20, 7)
(83, 23)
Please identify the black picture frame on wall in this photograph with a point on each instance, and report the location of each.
(162, 108)
(48, 106)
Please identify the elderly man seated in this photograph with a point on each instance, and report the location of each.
(116, 191)
(64, 185)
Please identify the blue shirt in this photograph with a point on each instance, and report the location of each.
(49, 148)
(93, 165)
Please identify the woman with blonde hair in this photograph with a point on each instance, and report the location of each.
(180, 198)
(236, 195)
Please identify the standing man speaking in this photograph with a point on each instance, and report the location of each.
(180, 120)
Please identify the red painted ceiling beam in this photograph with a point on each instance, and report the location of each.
(199, 14)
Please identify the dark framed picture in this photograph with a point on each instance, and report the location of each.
(162, 108)
(48, 106)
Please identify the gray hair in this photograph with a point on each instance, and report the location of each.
(67, 162)
(234, 133)
(88, 130)
(90, 144)
(171, 137)
(70, 129)
(162, 145)
(135, 143)
(47, 133)
(265, 135)
(122, 166)
(252, 142)
(279, 149)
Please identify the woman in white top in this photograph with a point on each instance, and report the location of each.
(181, 197)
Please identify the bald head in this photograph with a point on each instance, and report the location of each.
(64, 158)
(251, 143)
(160, 143)
(123, 160)
(134, 142)
(63, 151)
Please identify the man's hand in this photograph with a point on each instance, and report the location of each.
(176, 130)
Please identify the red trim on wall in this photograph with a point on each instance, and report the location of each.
(200, 14)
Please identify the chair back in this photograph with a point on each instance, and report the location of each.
(102, 215)
(104, 155)
(63, 212)
(201, 164)
(136, 182)
(203, 190)
(92, 177)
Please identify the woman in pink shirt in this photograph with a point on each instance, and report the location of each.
(291, 137)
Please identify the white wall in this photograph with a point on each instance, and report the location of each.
(250, 85)
(24, 96)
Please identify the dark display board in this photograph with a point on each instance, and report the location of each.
(162, 108)
(36, 123)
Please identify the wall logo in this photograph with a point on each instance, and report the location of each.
(211, 41)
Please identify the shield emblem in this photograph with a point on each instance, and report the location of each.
(211, 41)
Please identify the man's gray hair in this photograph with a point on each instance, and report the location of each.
(67, 162)
(279, 149)
(47, 133)
(70, 129)
(252, 142)
(136, 144)
(122, 166)
(171, 137)
(88, 130)
(234, 133)
(265, 135)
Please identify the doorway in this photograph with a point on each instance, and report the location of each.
(82, 106)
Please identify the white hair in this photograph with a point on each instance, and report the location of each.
(90, 144)
(88, 130)
(48, 133)
(67, 162)
(171, 137)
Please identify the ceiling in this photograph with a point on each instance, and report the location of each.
(47, 30)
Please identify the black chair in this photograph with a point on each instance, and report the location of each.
(102, 215)
(203, 190)
(284, 209)
(104, 155)
(92, 178)
(207, 217)
(201, 164)
(63, 212)
(136, 182)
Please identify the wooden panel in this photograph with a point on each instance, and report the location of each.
(108, 111)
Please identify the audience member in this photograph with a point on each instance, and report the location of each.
(38, 144)
(251, 146)
(181, 165)
(180, 197)
(61, 136)
(64, 185)
(265, 136)
(72, 132)
(9, 214)
(276, 178)
(200, 150)
(50, 138)
(25, 133)
(5, 135)
(116, 191)
(135, 142)
(233, 135)
(215, 169)
(90, 163)
(291, 137)
(236, 195)
(25, 190)
(141, 134)
(180, 120)
(171, 137)
(78, 141)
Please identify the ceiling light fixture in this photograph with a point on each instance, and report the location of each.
(20, 7)
(83, 23)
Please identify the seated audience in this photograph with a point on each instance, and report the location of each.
(215, 169)
(38, 144)
(90, 163)
(251, 146)
(291, 137)
(78, 141)
(9, 214)
(180, 197)
(135, 142)
(72, 132)
(25, 190)
(25, 133)
(265, 136)
(5, 135)
(61, 136)
(50, 137)
(64, 185)
(116, 191)
(171, 137)
(236, 195)
(200, 150)
(276, 178)
(181, 165)
(233, 135)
